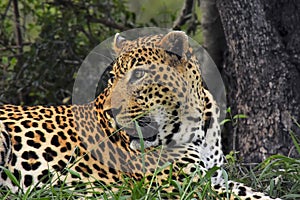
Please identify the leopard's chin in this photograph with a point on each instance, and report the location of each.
(136, 144)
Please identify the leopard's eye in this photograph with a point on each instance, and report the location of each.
(111, 80)
(136, 75)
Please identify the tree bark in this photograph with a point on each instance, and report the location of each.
(213, 35)
(262, 65)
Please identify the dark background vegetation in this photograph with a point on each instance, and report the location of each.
(255, 45)
(43, 43)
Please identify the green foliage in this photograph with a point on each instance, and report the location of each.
(233, 118)
(278, 174)
(294, 138)
(56, 37)
(164, 15)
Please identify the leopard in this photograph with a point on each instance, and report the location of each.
(154, 112)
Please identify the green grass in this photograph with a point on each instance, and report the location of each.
(278, 175)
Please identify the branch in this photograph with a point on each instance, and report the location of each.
(108, 23)
(6, 10)
(10, 48)
(186, 14)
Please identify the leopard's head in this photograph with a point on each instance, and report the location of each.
(155, 90)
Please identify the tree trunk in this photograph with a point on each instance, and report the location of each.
(213, 35)
(263, 66)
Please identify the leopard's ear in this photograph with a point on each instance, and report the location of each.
(176, 42)
(118, 43)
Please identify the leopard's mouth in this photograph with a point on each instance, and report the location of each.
(143, 126)
(143, 129)
(147, 133)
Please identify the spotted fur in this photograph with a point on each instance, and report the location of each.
(156, 89)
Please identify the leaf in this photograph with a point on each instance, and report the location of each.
(225, 121)
(296, 143)
(66, 100)
(5, 60)
(72, 172)
(13, 62)
(228, 110)
(11, 177)
(240, 116)
(140, 134)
